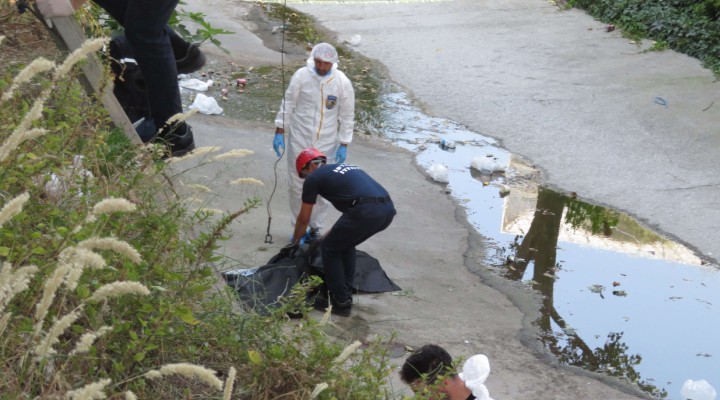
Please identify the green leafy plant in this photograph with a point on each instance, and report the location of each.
(97, 22)
(688, 26)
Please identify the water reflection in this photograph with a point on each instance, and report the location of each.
(618, 298)
(539, 248)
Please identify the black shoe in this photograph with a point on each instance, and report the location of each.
(191, 61)
(178, 137)
(294, 314)
(342, 309)
(320, 303)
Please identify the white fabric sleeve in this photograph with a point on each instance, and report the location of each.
(287, 105)
(346, 115)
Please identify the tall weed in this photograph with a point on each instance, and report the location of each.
(103, 291)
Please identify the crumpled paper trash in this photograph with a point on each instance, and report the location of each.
(68, 181)
(195, 84)
(206, 105)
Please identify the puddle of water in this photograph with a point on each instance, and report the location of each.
(618, 298)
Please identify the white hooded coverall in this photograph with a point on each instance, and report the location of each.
(317, 111)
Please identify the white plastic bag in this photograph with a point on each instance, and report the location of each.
(206, 105)
(697, 390)
(195, 84)
(486, 165)
(439, 173)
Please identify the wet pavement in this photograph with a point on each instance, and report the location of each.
(617, 297)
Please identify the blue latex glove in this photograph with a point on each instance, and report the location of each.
(341, 154)
(279, 143)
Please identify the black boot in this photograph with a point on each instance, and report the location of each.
(178, 137)
(191, 60)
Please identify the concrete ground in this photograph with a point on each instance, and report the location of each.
(607, 140)
(429, 251)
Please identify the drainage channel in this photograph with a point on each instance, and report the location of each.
(617, 297)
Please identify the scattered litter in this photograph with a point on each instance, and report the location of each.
(619, 293)
(661, 101)
(206, 105)
(504, 191)
(195, 84)
(599, 289)
(609, 28)
(486, 165)
(447, 145)
(224, 92)
(439, 173)
(353, 41)
(279, 28)
(698, 390)
(67, 181)
(570, 331)
(241, 82)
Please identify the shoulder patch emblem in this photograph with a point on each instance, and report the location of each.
(330, 102)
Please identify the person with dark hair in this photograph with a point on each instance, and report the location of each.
(160, 53)
(366, 209)
(426, 365)
(432, 367)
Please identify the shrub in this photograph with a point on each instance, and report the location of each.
(688, 26)
(103, 291)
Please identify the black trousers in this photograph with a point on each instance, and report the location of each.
(355, 226)
(147, 31)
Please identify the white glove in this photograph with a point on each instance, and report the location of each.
(55, 8)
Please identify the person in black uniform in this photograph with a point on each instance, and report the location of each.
(366, 209)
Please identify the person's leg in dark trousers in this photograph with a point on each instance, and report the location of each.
(338, 248)
(146, 29)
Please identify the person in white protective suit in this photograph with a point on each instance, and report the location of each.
(430, 369)
(317, 111)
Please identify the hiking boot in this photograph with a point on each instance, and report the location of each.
(178, 138)
(191, 61)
